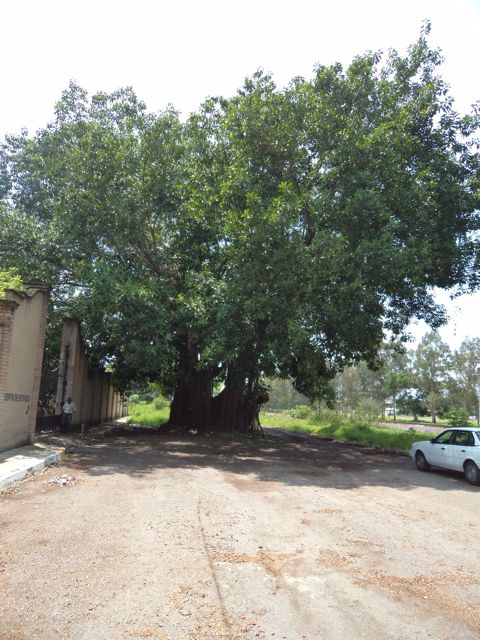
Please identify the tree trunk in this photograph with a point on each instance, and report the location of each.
(191, 405)
(192, 402)
(236, 408)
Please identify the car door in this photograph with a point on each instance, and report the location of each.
(461, 445)
(440, 452)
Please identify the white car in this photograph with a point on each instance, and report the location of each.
(457, 449)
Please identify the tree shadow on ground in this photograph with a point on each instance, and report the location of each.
(281, 456)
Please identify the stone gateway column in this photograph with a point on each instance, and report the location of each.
(23, 319)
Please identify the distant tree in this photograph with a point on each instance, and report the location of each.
(436, 404)
(371, 408)
(463, 388)
(411, 401)
(397, 375)
(359, 386)
(282, 395)
(433, 371)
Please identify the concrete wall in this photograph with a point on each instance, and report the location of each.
(23, 317)
(90, 388)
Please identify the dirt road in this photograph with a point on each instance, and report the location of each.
(199, 538)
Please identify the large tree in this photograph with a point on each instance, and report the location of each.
(279, 232)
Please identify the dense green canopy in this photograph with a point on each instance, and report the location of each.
(278, 232)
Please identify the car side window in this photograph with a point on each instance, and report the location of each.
(461, 438)
(471, 440)
(444, 438)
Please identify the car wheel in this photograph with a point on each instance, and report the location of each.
(472, 472)
(421, 462)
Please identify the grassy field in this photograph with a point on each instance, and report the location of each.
(145, 413)
(329, 425)
(332, 425)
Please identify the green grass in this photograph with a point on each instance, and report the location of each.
(146, 414)
(338, 428)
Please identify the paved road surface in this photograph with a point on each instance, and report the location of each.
(292, 538)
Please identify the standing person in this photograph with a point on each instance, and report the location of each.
(68, 410)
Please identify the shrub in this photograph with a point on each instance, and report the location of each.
(160, 403)
(360, 422)
(301, 411)
(457, 418)
(328, 417)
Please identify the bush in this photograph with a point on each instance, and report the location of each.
(457, 418)
(160, 403)
(328, 417)
(301, 411)
(360, 422)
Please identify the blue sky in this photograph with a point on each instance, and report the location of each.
(180, 51)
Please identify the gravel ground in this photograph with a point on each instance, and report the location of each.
(420, 428)
(293, 537)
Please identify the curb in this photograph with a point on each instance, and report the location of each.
(24, 468)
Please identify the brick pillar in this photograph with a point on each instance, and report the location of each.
(7, 311)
